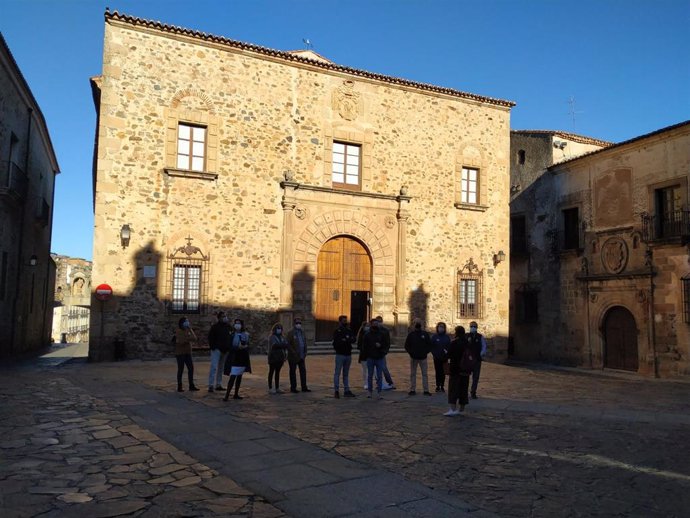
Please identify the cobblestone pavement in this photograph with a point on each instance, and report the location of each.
(538, 442)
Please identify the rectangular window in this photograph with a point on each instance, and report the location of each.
(186, 293)
(191, 147)
(528, 305)
(571, 229)
(469, 186)
(518, 235)
(686, 298)
(3, 275)
(469, 296)
(347, 166)
(669, 220)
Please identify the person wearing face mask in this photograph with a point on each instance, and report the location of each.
(477, 344)
(219, 341)
(362, 359)
(388, 385)
(418, 345)
(439, 347)
(297, 353)
(343, 338)
(239, 340)
(184, 339)
(376, 344)
(277, 354)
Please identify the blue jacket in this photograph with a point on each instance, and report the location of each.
(439, 345)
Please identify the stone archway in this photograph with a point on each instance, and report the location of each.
(620, 340)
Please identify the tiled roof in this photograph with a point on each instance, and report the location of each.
(564, 134)
(287, 56)
(625, 142)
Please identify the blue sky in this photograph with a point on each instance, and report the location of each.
(625, 62)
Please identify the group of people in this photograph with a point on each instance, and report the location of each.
(457, 358)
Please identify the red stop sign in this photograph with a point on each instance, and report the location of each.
(103, 292)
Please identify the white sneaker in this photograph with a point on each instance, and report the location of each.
(386, 386)
(456, 412)
(366, 387)
(450, 413)
(271, 391)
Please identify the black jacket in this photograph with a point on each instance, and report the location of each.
(455, 351)
(219, 337)
(418, 344)
(343, 338)
(376, 344)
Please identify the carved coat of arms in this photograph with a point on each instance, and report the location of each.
(346, 101)
(614, 255)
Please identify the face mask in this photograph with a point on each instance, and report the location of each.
(366, 329)
(441, 330)
(473, 329)
(238, 326)
(279, 331)
(185, 325)
(224, 320)
(298, 326)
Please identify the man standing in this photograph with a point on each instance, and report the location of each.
(418, 345)
(343, 338)
(297, 352)
(376, 344)
(389, 385)
(220, 343)
(477, 345)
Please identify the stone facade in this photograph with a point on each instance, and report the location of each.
(28, 168)
(604, 278)
(71, 313)
(255, 220)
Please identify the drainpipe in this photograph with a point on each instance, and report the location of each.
(20, 244)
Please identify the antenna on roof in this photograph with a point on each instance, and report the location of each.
(307, 44)
(571, 110)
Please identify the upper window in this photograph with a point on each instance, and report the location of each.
(469, 186)
(347, 165)
(518, 235)
(669, 217)
(191, 147)
(571, 229)
(521, 157)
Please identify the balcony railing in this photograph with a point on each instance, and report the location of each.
(13, 181)
(671, 225)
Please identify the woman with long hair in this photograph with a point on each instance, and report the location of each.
(277, 354)
(239, 341)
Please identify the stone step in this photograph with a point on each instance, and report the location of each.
(327, 348)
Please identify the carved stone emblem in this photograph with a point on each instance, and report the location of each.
(346, 101)
(390, 221)
(300, 212)
(614, 255)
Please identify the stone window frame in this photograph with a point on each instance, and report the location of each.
(470, 272)
(188, 256)
(344, 184)
(190, 156)
(482, 188)
(175, 114)
(362, 138)
(561, 223)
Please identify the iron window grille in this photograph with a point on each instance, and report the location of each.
(470, 287)
(188, 270)
(686, 298)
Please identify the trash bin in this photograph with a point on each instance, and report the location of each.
(119, 349)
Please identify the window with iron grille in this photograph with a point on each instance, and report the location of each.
(188, 267)
(346, 165)
(686, 298)
(191, 147)
(470, 291)
(469, 186)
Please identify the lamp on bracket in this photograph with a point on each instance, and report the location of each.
(125, 235)
(33, 260)
(499, 257)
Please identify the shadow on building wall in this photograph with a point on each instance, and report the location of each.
(418, 305)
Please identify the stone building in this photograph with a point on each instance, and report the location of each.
(277, 184)
(600, 271)
(28, 169)
(71, 313)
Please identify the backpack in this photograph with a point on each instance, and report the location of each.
(468, 361)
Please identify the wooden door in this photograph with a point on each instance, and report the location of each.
(343, 266)
(620, 337)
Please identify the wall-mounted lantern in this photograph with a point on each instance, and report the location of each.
(499, 257)
(125, 235)
(33, 261)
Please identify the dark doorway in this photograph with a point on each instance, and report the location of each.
(620, 340)
(343, 269)
(359, 308)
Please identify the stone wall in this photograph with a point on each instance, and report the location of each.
(265, 204)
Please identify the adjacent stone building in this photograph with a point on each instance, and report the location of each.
(28, 169)
(71, 313)
(278, 184)
(600, 246)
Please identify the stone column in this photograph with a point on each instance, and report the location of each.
(402, 311)
(286, 251)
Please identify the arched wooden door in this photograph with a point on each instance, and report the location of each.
(343, 285)
(620, 340)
